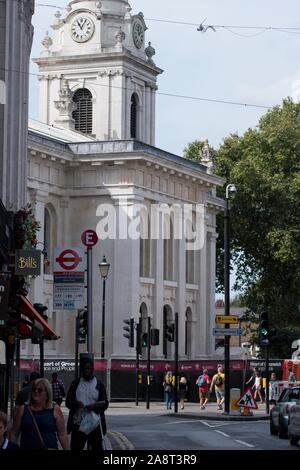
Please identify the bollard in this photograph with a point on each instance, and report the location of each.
(235, 394)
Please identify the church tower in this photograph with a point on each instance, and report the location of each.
(96, 75)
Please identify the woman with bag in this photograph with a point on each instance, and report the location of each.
(40, 422)
(168, 389)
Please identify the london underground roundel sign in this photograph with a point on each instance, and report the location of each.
(69, 260)
(89, 238)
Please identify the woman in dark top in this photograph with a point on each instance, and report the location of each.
(40, 423)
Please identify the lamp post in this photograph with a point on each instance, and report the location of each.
(104, 268)
(230, 188)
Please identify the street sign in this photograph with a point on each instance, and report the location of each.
(227, 331)
(69, 280)
(232, 319)
(247, 400)
(68, 260)
(89, 238)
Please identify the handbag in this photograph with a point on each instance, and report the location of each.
(89, 422)
(38, 431)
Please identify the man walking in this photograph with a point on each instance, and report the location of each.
(218, 382)
(87, 401)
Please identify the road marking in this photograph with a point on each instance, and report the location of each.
(223, 433)
(181, 421)
(244, 443)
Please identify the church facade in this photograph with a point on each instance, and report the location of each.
(92, 163)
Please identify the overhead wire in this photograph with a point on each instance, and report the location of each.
(172, 95)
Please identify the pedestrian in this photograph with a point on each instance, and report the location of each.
(40, 422)
(257, 387)
(58, 389)
(182, 391)
(23, 395)
(5, 444)
(218, 383)
(203, 383)
(168, 389)
(26, 381)
(253, 377)
(272, 384)
(291, 376)
(87, 402)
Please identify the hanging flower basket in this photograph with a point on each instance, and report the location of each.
(25, 228)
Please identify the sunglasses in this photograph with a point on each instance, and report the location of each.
(38, 389)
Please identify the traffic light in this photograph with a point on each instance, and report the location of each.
(129, 331)
(170, 332)
(266, 331)
(82, 326)
(139, 338)
(37, 330)
(154, 337)
(144, 340)
(140, 378)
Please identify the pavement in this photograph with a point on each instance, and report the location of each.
(191, 410)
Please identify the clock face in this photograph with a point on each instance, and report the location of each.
(82, 29)
(138, 34)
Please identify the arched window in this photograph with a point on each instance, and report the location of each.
(167, 320)
(134, 116)
(188, 333)
(168, 248)
(145, 245)
(83, 115)
(50, 226)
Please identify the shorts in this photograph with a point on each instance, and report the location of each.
(203, 393)
(220, 394)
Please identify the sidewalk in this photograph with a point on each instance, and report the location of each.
(191, 410)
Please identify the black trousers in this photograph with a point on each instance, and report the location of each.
(79, 439)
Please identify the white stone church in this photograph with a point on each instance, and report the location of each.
(94, 144)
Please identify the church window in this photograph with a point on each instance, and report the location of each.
(134, 116)
(83, 115)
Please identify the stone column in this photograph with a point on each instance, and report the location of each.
(181, 294)
(201, 336)
(211, 282)
(158, 271)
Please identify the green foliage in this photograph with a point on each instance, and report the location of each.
(264, 164)
(25, 228)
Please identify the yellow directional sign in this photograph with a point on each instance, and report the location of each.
(232, 319)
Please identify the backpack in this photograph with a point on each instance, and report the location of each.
(201, 381)
(219, 381)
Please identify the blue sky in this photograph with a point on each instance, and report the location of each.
(218, 65)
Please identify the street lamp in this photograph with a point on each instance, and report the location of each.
(230, 189)
(104, 268)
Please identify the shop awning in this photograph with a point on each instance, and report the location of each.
(27, 309)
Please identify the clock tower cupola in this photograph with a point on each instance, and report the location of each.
(98, 53)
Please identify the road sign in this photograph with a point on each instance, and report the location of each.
(68, 277)
(247, 400)
(227, 331)
(89, 238)
(232, 319)
(69, 259)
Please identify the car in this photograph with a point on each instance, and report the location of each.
(294, 424)
(279, 416)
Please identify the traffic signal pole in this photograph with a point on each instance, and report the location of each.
(176, 365)
(90, 299)
(267, 380)
(137, 349)
(148, 363)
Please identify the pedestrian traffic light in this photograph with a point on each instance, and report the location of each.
(144, 340)
(170, 332)
(140, 378)
(82, 326)
(154, 337)
(139, 338)
(129, 331)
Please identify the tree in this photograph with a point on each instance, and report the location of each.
(264, 164)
